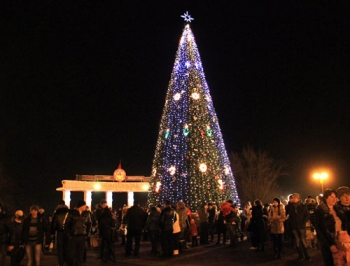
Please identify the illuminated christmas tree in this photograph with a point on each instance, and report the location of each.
(190, 161)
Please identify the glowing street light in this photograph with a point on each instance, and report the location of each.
(321, 176)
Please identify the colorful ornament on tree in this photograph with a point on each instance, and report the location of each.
(177, 96)
(226, 170)
(172, 170)
(195, 95)
(209, 131)
(166, 134)
(157, 187)
(154, 171)
(221, 184)
(186, 130)
(203, 167)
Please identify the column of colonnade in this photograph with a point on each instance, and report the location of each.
(66, 196)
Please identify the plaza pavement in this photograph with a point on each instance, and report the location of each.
(210, 254)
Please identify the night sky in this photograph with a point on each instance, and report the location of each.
(83, 85)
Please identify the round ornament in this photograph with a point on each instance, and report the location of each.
(119, 175)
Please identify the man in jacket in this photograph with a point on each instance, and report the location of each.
(57, 225)
(135, 220)
(77, 229)
(166, 221)
(105, 225)
(298, 216)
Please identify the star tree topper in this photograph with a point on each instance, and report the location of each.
(187, 17)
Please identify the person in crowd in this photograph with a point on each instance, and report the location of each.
(230, 216)
(135, 220)
(123, 229)
(153, 229)
(298, 216)
(176, 234)
(211, 221)
(4, 230)
(257, 220)
(276, 217)
(203, 226)
(15, 248)
(77, 228)
(183, 221)
(325, 222)
(35, 228)
(342, 240)
(311, 206)
(105, 225)
(57, 230)
(194, 232)
(343, 194)
(221, 228)
(166, 220)
(266, 209)
(288, 235)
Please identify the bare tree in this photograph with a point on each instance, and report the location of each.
(256, 175)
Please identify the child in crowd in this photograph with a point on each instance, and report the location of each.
(194, 233)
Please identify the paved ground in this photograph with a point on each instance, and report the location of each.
(210, 254)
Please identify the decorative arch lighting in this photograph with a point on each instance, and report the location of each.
(97, 186)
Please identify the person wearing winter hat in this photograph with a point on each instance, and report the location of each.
(77, 229)
(33, 231)
(343, 194)
(276, 216)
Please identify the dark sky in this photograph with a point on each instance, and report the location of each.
(83, 84)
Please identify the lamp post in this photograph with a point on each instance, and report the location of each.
(321, 176)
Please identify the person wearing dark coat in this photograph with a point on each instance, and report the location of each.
(166, 221)
(298, 216)
(35, 226)
(15, 248)
(106, 225)
(135, 220)
(58, 219)
(203, 224)
(77, 228)
(153, 228)
(325, 225)
(221, 228)
(259, 233)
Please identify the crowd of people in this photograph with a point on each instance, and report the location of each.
(322, 223)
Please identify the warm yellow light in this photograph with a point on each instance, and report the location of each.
(203, 167)
(195, 95)
(145, 187)
(321, 176)
(97, 186)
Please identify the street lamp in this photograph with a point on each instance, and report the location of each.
(321, 176)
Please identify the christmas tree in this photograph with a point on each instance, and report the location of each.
(190, 161)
